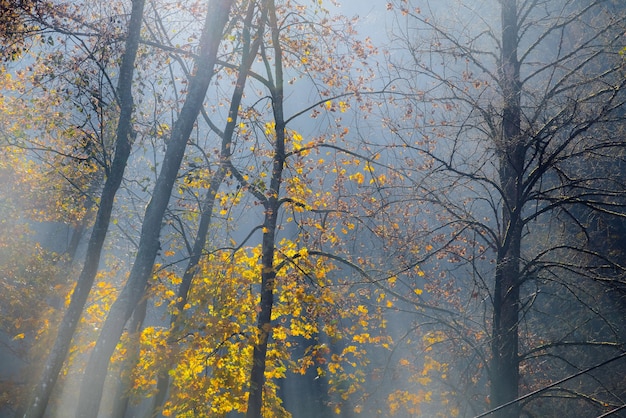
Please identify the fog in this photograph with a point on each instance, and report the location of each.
(436, 181)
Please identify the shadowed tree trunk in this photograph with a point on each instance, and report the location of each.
(122, 398)
(133, 291)
(533, 102)
(506, 303)
(272, 206)
(40, 396)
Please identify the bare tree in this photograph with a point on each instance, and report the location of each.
(510, 113)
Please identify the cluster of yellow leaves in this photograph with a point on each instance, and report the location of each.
(59, 184)
(332, 106)
(103, 294)
(33, 278)
(153, 353)
(405, 402)
(196, 178)
(359, 177)
(428, 392)
(227, 201)
(213, 346)
(299, 192)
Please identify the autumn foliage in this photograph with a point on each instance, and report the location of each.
(213, 205)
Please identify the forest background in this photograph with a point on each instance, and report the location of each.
(305, 208)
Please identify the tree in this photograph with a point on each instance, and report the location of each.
(15, 27)
(32, 279)
(286, 50)
(525, 105)
(269, 163)
(251, 44)
(124, 137)
(134, 289)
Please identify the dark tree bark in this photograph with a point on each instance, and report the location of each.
(124, 135)
(526, 149)
(506, 295)
(272, 206)
(133, 291)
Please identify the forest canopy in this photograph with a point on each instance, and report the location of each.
(312, 208)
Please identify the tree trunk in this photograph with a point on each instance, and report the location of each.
(163, 379)
(272, 206)
(40, 396)
(122, 398)
(249, 53)
(505, 361)
(95, 373)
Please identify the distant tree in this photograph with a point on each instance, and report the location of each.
(31, 279)
(512, 118)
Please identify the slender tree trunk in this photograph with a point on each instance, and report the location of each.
(40, 396)
(122, 398)
(250, 49)
(505, 361)
(78, 232)
(96, 370)
(272, 206)
(268, 276)
(163, 379)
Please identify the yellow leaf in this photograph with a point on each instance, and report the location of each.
(358, 177)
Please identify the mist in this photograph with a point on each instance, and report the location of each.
(381, 209)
